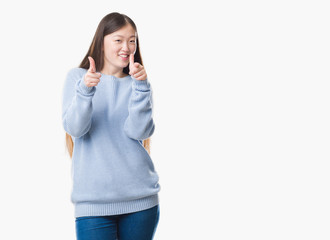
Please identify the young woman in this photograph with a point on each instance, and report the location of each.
(107, 116)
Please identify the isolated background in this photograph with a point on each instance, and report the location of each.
(241, 107)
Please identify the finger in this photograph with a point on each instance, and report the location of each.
(94, 75)
(139, 74)
(92, 84)
(137, 68)
(90, 80)
(142, 77)
(131, 61)
(131, 58)
(138, 65)
(92, 67)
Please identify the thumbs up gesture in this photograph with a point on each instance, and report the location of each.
(92, 78)
(136, 70)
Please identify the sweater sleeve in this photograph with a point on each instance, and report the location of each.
(77, 106)
(139, 124)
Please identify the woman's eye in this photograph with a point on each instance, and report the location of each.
(118, 40)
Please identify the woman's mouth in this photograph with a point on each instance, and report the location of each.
(124, 57)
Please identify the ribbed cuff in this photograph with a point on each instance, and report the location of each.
(141, 85)
(106, 209)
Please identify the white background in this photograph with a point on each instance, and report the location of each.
(241, 107)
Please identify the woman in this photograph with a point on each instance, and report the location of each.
(107, 116)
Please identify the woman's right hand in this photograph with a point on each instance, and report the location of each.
(92, 78)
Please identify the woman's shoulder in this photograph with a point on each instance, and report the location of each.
(74, 74)
(77, 71)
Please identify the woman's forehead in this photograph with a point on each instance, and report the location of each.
(126, 31)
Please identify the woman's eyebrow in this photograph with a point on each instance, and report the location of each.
(123, 36)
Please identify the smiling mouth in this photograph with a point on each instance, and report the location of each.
(124, 57)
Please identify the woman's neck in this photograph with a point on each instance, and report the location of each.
(117, 73)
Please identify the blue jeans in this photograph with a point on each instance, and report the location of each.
(131, 226)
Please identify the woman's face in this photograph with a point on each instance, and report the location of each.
(118, 46)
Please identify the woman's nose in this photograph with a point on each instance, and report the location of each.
(125, 47)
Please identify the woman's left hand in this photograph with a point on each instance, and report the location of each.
(136, 70)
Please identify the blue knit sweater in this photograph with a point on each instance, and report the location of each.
(112, 172)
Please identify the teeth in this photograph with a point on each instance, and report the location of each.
(123, 55)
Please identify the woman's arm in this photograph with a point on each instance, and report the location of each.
(77, 106)
(139, 124)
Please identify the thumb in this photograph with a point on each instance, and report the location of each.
(92, 67)
(131, 61)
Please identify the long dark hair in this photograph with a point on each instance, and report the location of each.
(109, 24)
